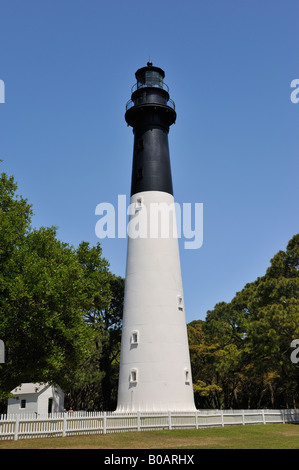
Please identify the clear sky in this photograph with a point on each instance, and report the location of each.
(68, 67)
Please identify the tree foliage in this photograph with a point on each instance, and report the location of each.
(95, 385)
(57, 306)
(241, 353)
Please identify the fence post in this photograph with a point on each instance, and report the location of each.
(138, 421)
(196, 419)
(16, 427)
(169, 420)
(222, 418)
(283, 417)
(105, 423)
(243, 417)
(263, 414)
(64, 425)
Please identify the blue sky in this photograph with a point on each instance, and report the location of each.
(68, 67)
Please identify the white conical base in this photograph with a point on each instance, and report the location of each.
(155, 371)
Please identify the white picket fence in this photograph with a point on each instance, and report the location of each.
(21, 426)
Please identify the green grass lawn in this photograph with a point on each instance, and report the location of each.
(270, 436)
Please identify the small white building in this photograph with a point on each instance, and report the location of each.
(38, 398)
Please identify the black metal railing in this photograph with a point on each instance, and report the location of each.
(131, 103)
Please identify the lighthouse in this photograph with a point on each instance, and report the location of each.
(155, 371)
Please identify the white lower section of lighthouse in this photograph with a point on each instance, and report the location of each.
(155, 371)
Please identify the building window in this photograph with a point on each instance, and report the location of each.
(138, 204)
(187, 376)
(180, 303)
(133, 376)
(134, 338)
(50, 404)
(23, 404)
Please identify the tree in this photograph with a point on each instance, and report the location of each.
(41, 319)
(60, 309)
(111, 342)
(15, 219)
(44, 291)
(272, 323)
(103, 313)
(207, 391)
(246, 342)
(219, 366)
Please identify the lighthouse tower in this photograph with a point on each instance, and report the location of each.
(155, 371)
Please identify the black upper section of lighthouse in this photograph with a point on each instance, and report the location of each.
(150, 112)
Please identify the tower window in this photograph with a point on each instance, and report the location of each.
(187, 376)
(134, 338)
(138, 204)
(133, 376)
(180, 303)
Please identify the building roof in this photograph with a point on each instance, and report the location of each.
(29, 388)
